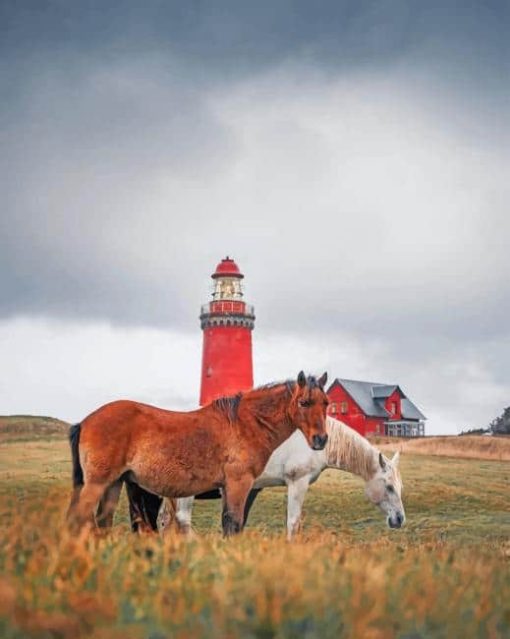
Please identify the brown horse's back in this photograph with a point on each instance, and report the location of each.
(159, 448)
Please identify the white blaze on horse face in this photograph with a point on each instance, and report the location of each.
(385, 490)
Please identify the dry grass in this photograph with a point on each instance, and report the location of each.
(446, 574)
(467, 446)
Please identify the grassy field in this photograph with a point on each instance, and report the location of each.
(446, 574)
(467, 446)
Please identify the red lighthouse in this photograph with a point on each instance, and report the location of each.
(227, 322)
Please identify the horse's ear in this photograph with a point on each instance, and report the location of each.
(382, 463)
(396, 458)
(322, 380)
(301, 379)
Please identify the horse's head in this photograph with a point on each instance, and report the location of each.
(385, 490)
(307, 409)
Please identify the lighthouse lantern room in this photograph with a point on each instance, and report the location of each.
(227, 322)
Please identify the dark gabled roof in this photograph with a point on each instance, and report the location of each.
(410, 411)
(370, 398)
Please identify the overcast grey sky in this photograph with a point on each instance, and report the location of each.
(351, 156)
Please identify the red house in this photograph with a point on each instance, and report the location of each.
(378, 409)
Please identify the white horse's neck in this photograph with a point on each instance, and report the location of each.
(348, 450)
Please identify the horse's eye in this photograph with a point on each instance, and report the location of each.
(390, 488)
(305, 403)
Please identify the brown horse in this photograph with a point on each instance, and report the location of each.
(225, 444)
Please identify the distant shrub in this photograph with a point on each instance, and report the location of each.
(501, 425)
(475, 431)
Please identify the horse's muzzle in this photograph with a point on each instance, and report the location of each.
(396, 522)
(319, 441)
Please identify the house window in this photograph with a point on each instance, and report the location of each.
(333, 408)
(343, 408)
(394, 408)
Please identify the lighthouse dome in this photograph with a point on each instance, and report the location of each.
(227, 268)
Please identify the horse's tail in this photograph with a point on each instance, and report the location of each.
(74, 440)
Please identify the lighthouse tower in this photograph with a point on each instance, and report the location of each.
(227, 322)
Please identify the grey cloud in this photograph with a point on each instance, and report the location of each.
(347, 154)
(232, 37)
(350, 155)
(123, 186)
(81, 154)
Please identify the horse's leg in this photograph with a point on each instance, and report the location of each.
(183, 510)
(136, 509)
(143, 508)
(167, 514)
(75, 498)
(250, 500)
(108, 504)
(296, 491)
(83, 511)
(235, 494)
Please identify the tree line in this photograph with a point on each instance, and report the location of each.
(499, 426)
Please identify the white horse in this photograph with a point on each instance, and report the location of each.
(295, 465)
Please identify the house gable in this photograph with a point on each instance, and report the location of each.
(345, 407)
(371, 407)
(361, 393)
(338, 395)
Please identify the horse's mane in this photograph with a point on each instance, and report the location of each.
(347, 449)
(230, 405)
